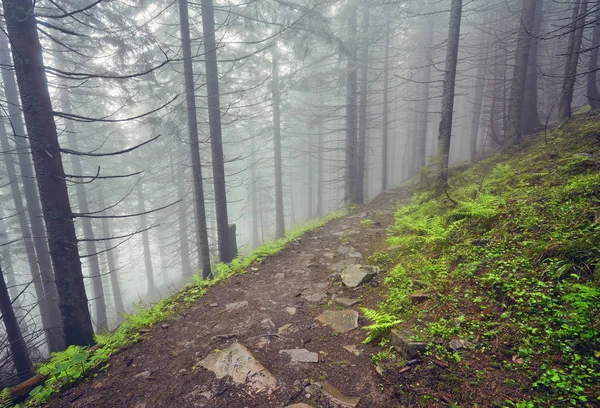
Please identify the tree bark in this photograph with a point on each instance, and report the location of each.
(110, 258)
(84, 208)
(421, 139)
(362, 110)
(214, 119)
(310, 176)
(33, 86)
(279, 216)
(448, 94)
(53, 325)
(192, 121)
(350, 180)
(572, 59)
(514, 129)
(152, 293)
(184, 245)
(18, 348)
(253, 193)
(478, 103)
(386, 96)
(531, 120)
(319, 211)
(593, 95)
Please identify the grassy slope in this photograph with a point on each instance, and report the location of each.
(526, 295)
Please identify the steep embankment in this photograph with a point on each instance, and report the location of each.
(499, 282)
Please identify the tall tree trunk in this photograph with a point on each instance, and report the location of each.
(146, 242)
(279, 217)
(110, 258)
(477, 108)
(448, 94)
(18, 348)
(386, 96)
(33, 86)
(184, 245)
(350, 179)
(253, 193)
(531, 120)
(513, 131)
(53, 323)
(320, 136)
(10, 278)
(421, 139)
(572, 59)
(362, 110)
(192, 122)
(84, 208)
(310, 177)
(593, 95)
(214, 119)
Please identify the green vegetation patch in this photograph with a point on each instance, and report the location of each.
(511, 260)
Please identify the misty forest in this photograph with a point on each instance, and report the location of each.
(180, 179)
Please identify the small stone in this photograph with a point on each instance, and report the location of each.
(345, 249)
(254, 269)
(346, 302)
(236, 305)
(280, 276)
(140, 405)
(374, 283)
(182, 371)
(213, 305)
(353, 350)
(355, 275)
(339, 266)
(164, 326)
(267, 323)
(189, 344)
(340, 321)
(284, 329)
(480, 242)
(329, 255)
(300, 405)
(143, 375)
(301, 355)
(402, 342)
(459, 344)
(419, 297)
(354, 254)
(337, 398)
(291, 310)
(316, 298)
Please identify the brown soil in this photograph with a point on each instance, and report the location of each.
(171, 353)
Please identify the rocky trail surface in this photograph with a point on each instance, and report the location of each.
(285, 334)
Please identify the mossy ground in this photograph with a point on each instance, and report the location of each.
(510, 259)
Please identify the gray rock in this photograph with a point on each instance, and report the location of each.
(299, 405)
(301, 355)
(143, 375)
(354, 275)
(267, 323)
(140, 405)
(239, 364)
(280, 276)
(353, 350)
(236, 305)
(354, 254)
(213, 305)
(340, 321)
(291, 310)
(345, 249)
(419, 297)
(459, 344)
(329, 255)
(337, 398)
(318, 298)
(286, 328)
(346, 302)
(403, 343)
(339, 266)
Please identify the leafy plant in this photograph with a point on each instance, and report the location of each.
(383, 323)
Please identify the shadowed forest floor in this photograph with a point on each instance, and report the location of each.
(284, 295)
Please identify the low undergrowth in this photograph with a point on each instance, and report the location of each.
(71, 366)
(510, 261)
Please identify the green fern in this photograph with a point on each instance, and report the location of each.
(6, 400)
(383, 323)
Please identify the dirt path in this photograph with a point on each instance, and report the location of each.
(292, 288)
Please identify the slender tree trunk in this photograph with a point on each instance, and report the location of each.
(51, 313)
(448, 94)
(593, 95)
(477, 108)
(33, 86)
(421, 139)
(572, 59)
(9, 274)
(386, 96)
(184, 246)
(531, 120)
(192, 121)
(362, 110)
(110, 259)
(146, 242)
(18, 348)
(513, 131)
(214, 119)
(84, 208)
(253, 192)
(310, 177)
(279, 217)
(351, 98)
(320, 136)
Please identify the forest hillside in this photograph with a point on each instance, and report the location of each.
(487, 296)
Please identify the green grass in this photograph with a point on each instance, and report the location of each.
(71, 366)
(513, 261)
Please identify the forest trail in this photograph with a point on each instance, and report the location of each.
(271, 308)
